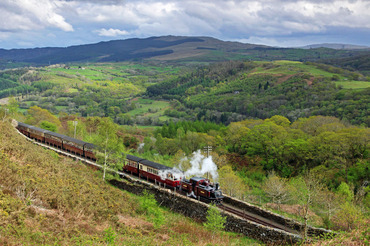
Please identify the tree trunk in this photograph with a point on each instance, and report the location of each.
(105, 163)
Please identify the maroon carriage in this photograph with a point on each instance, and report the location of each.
(132, 164)
(89, 151)
(37, 133)
(24, 128)
(54, 139)
(72, 145)
(159, 173)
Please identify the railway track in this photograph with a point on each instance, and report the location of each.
(256, 219)
(243, 214)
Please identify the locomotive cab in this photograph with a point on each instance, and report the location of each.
(202, 188)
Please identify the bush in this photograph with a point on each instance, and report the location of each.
(215, 221)
(149, 206)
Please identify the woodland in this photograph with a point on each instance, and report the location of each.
(289, 136)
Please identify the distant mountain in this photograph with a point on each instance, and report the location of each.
(167, 48)
(163, 48)
(336, 46)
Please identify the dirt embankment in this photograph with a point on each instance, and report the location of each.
(4, 101)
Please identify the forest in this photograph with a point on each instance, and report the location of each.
(279, 132)
(230, 91)
(250, 155)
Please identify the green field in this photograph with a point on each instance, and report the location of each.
(150, 108)
(353, 84)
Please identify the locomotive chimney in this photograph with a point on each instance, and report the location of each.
(216, 186)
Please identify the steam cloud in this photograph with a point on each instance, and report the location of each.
(141, 146)
(200, 165)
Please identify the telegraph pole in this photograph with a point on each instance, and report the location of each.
(75, 125)
(207, 149)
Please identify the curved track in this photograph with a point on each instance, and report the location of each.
(245, 215)
(256, 219)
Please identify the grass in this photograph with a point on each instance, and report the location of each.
(353, 84)
(147, 107)
(47, 199)
(290, 67)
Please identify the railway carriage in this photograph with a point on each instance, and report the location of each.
(38, 133)
(74, 146)
(24, 128)
(89, 151)
(158, 172)
(132, 164)
(54, 139)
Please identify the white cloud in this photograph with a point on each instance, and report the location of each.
(111, 32)
(226, 19)
(20, 15)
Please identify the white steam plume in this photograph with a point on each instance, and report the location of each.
(141, 146)
(200, 165)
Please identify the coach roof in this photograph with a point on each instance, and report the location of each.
(133, 158)
(154, 165)
(38, 129)
(66, 138)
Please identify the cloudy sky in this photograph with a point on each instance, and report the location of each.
(284, 23)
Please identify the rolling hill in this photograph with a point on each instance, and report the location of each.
(168, 48)
(335, 46)
(231, 91)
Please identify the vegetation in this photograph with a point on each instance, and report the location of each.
(289, 136)
(221, 92)
(215, 221)
(96, 90)
(233, 91)
(46, 199)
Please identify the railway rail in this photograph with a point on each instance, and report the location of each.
(256, 219)
(241, 213)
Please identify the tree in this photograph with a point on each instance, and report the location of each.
(279, 120)
(348, 216)
(37, 115)
(306, 191)
(330, 203)
(77, 130)
(276, 188)
(108, 144)
(10, 109)
(230, 183)
(215, 221)
(345, 192)
(48, 126)
(236, 137)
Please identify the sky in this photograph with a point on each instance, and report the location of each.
(282, 23)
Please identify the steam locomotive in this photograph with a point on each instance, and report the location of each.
(196, 187)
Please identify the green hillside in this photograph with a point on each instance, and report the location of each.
(232, 91)
(106, 89)
(46, 199)
(219, 92)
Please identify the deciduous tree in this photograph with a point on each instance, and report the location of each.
(276, 188)
(108, 144)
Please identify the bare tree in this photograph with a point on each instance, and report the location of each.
(306, 190)
(276, 188)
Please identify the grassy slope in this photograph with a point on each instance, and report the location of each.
(47, 199)
(120, 80)
(292, 67)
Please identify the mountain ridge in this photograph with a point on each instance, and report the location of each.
(120, 50)
(335, 46)
(168, 49)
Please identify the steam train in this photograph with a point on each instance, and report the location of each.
(197, 187)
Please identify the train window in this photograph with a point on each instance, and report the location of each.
(141, 167)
